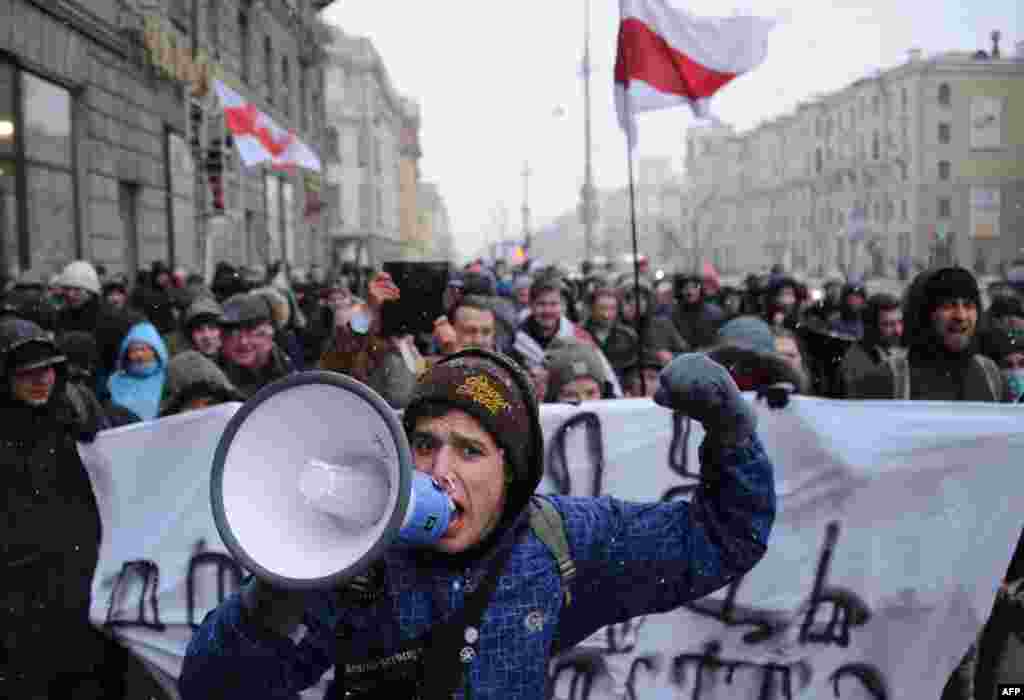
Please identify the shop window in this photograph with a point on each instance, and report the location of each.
(945, 207)
(945, 95)
(286, 84)
(244, 42)
(268, 70)
(37, 183)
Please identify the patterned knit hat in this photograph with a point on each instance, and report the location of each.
(494, 390)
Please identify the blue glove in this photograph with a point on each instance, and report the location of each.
(699, 387)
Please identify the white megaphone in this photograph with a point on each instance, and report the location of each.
(313, 480)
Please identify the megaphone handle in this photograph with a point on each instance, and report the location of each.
(273, 609)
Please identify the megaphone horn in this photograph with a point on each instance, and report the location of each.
(313, 480)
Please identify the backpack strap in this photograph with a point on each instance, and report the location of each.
(900, 367)
(992, 375)
(547, 524)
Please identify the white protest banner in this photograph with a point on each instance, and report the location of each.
(893, 531)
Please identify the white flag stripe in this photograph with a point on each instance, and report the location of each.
(723, 44)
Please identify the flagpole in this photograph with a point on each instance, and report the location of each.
(636, 259)
(630, 133)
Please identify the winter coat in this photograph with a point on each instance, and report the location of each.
(698, 323)
(862, 359)
(618, 345)
(141, 394)
(49, 541)
(249, 381)
(632, 559)
(661, 334)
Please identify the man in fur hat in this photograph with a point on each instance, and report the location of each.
(940, 330)
(434, 622)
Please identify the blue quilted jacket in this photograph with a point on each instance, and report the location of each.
(632, 559)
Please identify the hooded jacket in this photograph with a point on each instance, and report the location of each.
(935, 373)
(632, 559)
(192, 375)
(50, 533)
(140, 393)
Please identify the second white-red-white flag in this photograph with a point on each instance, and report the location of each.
(667, 57)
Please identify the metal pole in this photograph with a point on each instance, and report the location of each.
(526, 205)
(588, 176)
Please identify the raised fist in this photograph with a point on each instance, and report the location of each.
(696, 385)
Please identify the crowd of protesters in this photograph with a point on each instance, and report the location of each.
(84, 351)
(173, 341)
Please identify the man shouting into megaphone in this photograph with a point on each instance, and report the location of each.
(480, 613)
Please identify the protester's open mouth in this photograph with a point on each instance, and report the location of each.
(457, 521)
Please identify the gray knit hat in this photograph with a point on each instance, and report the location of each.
(572, 360)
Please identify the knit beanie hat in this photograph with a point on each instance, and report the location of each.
(747, 332)
(494, 390)
(570, 361)
(81, 275)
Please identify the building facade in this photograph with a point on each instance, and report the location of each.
(113, 146)
(434, 225)
(918, 165)
(373, 185)
(660, 200)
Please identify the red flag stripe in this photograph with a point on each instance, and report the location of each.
(241, 121)
(644, 55)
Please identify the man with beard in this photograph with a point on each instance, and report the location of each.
(696, 319)
(942, 361)
(883, 338)
(616, 340)
(433, 621)
(249, 356)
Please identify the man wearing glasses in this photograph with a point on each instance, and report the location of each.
(249, 356)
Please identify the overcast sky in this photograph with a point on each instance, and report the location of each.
(498, 84)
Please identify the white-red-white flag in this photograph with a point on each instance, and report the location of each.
(259, 138)
(667, 57)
